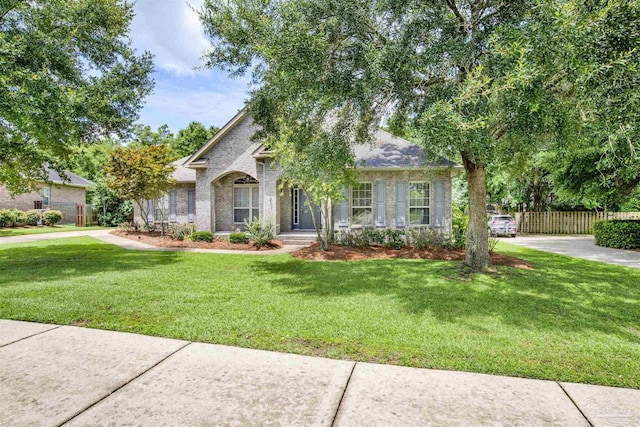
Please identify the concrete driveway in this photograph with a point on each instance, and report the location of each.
(578, 246)
(61, 375)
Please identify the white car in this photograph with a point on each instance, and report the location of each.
(502, 225)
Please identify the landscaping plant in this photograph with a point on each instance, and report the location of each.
(181, 231)
(202, 236)
(260, 230)
(620, 234)
(19, 217)
(7, 218)
(32, 217)
(51, 217)
(238, 237)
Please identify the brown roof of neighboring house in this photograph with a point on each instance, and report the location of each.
(68, 178)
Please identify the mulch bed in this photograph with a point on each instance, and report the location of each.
(156, 239)
(345, 253)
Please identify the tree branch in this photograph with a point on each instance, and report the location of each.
(461, 19)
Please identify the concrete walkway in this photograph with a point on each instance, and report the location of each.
(579, 246)
(105, 236)
(62, 375)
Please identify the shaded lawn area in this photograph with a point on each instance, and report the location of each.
(568, 319)
(21, 231)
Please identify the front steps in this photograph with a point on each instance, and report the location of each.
(298, 239)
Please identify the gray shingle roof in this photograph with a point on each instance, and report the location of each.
(388, 151)
(70, 178)
(182, 172)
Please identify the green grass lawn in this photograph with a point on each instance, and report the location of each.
(568, 319)
(21, 231)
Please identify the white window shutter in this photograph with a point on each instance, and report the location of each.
(401, 203)
(439, 203)
(343, 219)
(380, 203)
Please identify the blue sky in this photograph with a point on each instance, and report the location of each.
(172, 32)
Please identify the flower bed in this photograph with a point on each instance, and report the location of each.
(155, 239)
(350, 253)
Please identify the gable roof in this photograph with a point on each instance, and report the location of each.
(183, 174)
(385, 151)
(70, 179)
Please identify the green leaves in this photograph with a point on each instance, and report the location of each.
(68, 76)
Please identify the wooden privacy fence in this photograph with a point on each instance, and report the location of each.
(565, 222)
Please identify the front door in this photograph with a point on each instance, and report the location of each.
(301, 214)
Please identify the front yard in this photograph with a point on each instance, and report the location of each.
(566, 319)
(21, 231)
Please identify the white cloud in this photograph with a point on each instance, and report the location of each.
(171, 30)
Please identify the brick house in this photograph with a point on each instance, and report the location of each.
(57, 192)
(231, 178)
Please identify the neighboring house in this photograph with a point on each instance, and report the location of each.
(232, 178)
(57, 192)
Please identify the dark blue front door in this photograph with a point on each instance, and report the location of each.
(302, 219)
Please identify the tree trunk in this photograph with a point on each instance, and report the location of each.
(477, 234)
(316, 225)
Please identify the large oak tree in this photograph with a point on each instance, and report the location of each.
(68, 75)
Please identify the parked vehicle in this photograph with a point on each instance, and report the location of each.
(502, 225)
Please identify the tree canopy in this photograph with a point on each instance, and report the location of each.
(191, 138)
(470, 80)
(68, 75)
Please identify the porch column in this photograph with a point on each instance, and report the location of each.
(204, 191)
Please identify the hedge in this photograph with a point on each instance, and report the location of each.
(617, 233)
(51, 217)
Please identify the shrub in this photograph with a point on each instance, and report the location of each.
(7, 218)
(615, 233)
(202, 236)
(32, 217)
(128, 226)
(51, 217)
(238, 237)
(373, 236)
(459, 229)
(259, 230)
(19, 217)
(424, 238)
(394, 239)
(181, 231)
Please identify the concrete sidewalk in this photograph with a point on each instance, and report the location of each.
(51, 376)
(578, 246)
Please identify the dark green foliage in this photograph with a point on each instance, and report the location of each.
(69, 76)
(32, 217)
(394, 239)
(202, 236)
(191, 138)
(238, 237)
(621, 234)
(51, 217)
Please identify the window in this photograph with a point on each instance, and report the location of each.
(191, 205)
(161, 207)
(46, 194)
(296, 201)
(418, 203)
(362, 204)
(246, 199)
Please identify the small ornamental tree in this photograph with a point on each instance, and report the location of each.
(140, 174)
(320, 164)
